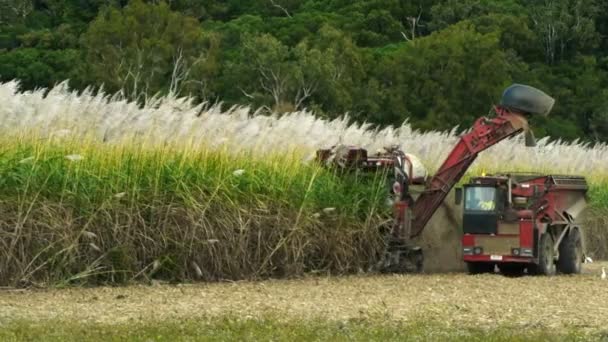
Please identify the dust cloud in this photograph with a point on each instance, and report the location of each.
(441, 239)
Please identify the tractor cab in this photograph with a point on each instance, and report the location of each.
(484, 203)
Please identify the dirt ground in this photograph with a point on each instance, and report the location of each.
(579, 301)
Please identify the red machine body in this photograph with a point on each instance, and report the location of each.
(411, 216)
(484, 134)
(531, 223)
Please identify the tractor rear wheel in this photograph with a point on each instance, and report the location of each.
(480, 267)
(571, 253)
(546, 262)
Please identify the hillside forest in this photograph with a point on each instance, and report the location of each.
(435, 63)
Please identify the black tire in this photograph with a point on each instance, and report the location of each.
(546, 262)
(512, 269)
(571, 253)
(480, 267)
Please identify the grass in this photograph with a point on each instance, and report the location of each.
(269, 329)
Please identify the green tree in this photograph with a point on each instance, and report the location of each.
(450, 12)
(14, 11)
(598, 125)
(266, 62)
(58, 38)
(438, 62)
(316, 73)
(147, 48)
(446, 79)
(578, 89)
(201, 9)
(38, 68)
(341, 70)
(564, 27)
(515, 35)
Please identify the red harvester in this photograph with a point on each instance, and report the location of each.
(514, 221)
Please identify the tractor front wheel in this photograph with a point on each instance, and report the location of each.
(571, 253)
(546, 262)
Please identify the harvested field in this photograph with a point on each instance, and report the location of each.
(452, 300)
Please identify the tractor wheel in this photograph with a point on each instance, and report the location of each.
(546, 262)
(480, 267)
(512, 269)
(571, 253)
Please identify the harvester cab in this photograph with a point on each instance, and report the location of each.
(487, 201)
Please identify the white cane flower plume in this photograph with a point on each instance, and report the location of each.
(74, 157)
(112, 119)
(61, 133)
(120, 195)
(26, 160)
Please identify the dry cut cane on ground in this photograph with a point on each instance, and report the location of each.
(452, 299)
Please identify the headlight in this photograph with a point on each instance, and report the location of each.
(527, 252)
(478, 250)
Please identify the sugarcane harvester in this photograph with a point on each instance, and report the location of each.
(529, 221)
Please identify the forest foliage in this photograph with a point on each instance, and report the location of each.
(436, 63)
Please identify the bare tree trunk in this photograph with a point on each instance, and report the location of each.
(306, 90)
(280, 7)
(273, 82)
(413, 23)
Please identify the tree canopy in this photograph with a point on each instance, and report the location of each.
(436, 63)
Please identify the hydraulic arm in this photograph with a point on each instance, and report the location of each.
(411, 216)
(484, 134)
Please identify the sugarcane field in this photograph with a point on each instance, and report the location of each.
(295, 171)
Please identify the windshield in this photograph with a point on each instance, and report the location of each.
(480, 198)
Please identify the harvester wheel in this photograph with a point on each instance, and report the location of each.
(480, 267)
(546, 262)
(571, 253)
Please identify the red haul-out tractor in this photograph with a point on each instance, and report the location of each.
(523, 221)
(517, 222)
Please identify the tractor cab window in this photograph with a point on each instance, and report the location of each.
(480, 198)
